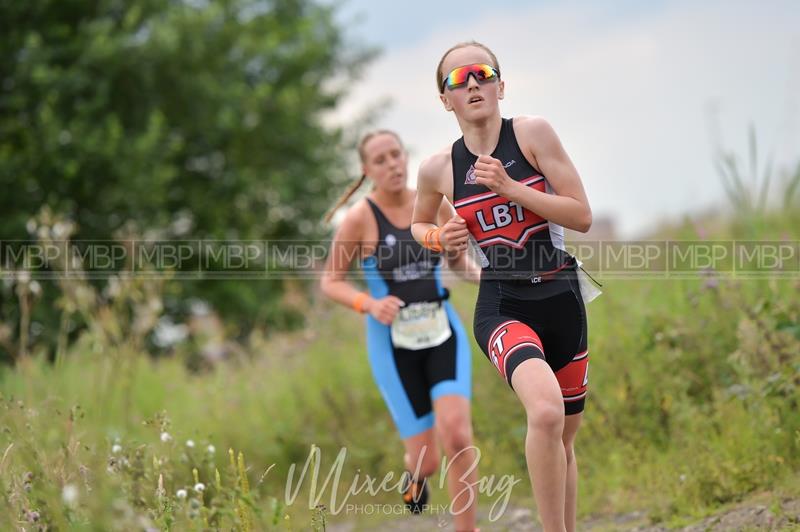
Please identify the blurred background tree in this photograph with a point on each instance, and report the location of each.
(174, 120)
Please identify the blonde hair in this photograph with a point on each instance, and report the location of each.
(347, 194)
(440, 76)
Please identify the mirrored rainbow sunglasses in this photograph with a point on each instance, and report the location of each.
(458, 77)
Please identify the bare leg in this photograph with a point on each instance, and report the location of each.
(538, 390)
(454, 430)
(571, 424)
(421, 457)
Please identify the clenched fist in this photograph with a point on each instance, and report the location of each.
(454, 235)
(384, 309)
(490, 173)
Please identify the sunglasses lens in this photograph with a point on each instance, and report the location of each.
(459, 76)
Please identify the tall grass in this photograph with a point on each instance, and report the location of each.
(694, 403)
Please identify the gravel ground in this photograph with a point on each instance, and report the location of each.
(742, 517)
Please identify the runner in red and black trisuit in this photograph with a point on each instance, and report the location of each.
(529, 281)
(514, 188)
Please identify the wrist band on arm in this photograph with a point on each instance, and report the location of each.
(432, 240)
(358, 302)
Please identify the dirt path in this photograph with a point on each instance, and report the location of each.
(747, 516)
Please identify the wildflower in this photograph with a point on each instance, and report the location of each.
(190, 443)
(181, 493)
(32, 516)
(35, 288)
(211, 449)
(165, 437)
(199, 487)
(69, 494)
(116, 448)
(113, 288)
(64, 138)
(62, 230)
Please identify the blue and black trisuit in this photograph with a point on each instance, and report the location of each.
(425, 353)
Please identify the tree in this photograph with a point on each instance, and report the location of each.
(185, 119)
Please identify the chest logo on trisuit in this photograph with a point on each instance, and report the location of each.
(501, 215)
(493, 219)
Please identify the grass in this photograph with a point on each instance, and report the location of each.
(693, 406)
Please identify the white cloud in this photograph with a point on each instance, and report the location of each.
(629, 95)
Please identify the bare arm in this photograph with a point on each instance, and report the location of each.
(569, 205)
(459, 261)
(429, 198)
(347, 245)
(432, 187)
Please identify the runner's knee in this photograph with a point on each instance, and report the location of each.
(454, 432)
(424, 466)
(546, 416)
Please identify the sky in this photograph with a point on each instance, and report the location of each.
(636, 90)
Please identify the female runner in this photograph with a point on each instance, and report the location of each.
(514, 189)
(418, 350)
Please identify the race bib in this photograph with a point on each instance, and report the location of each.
(421, 325)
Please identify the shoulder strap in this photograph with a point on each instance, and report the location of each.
(380, 218)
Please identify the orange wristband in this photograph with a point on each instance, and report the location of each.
(358, 302)
(438, 235)
(427, 241)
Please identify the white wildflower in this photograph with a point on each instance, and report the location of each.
(35, 288)
(181, 493)
(190, 443)
(69, 494)
(199, 487)
(211, 449)
(165, 437)
(61, 230)
(64, 137)
(116, 448)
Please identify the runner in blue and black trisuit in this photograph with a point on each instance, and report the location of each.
(418, 349)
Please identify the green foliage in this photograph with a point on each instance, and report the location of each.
(173, 120)
(700, 403)
(746, 189)
(749, 185)
(694, 404)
